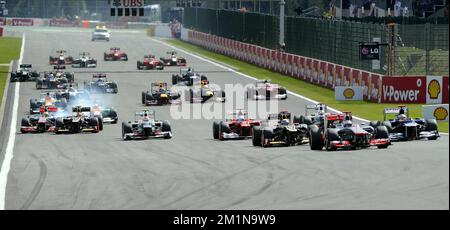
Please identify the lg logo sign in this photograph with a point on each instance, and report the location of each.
(370, 51)
(127, 8)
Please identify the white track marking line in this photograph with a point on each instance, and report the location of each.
(247, 76)
(6, 165)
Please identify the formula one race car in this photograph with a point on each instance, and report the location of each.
(51, 100)
(160, 95)
(61, 58)
(115, 54)
(24, 73)
(150, 62)
(265, 90)
(317, 118)
(237, 125)
(100, 84)
(339, 132)
(188, 77)
(204, 93)
(405, 128)
(55, 79)
(105, 113)
(173, 60)
(146, 126)
(278, 130)
(84, 61)
(39, 123)
(81, 120)
(71, 92)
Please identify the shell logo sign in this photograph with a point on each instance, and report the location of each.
(348, 93)
(434, 89)
(440, 113)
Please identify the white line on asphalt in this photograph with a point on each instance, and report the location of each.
(247, 76)
(6, 165)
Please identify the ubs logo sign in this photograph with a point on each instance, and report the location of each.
(127, 8)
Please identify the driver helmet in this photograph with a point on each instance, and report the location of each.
(347, 123)
(240, 117)
(285, 122)
(401, 117)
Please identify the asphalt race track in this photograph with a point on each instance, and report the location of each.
(191, 170)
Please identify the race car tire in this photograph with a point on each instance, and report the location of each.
(223, 96)
(191, 96)
(114, 86)
(382, 133)
(59, 122)
(105, 57)
(139, 65)
(223, 128)
(38, 84)
(100, 123)
(126, 128)
(282, 91)
(331, 135)
(113, 114)
(94, 123)
(25, 122)
(166, 126)
(298, 119)
(216, 133)
(126, 58)
(143, 98)
(315, 138)
(431, 125)
(375, 124)
(256, 136)
(174, 79)
(267, 133)
(388, 125)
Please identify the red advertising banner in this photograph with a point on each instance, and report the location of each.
(273, 57)
(301, 67)
(315, 71)
(347, 76)
(404, 89)
(68, 23)
(290, 68)
(356, 77)
(283, 62)
(295, 66)
(22, 22)
(366, 83)
(339, 75)
(323, 73)
(1, 31)
(307, 69)
(445, 90)
(375, 87)
(2, 21)
(331, 75)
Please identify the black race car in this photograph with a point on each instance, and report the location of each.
(278, 130)
(100, 84)
(204, 93)
(24, 73)
(55, 79)
(188, 77)
(81, 120)
(84, 61)
(160, 95)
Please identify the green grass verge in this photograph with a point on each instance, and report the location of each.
(366, 110)
(10, 49)
(3, 78)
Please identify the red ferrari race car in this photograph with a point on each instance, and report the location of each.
(61, 58)
(237, 125)
(339, 132)
(150, 62)
(173, 60)
(115, 54)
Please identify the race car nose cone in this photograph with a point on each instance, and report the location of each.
(163, 95)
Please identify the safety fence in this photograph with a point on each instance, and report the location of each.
(377, 88)
(418, 49)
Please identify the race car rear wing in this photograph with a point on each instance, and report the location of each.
(171, 52)
(59, 67)
(61, 51)
(67, 85)
(81, 109)
(25, 66)
(139, 114)
(316, 107)
(397, 111)
(114, 48)
(99, 75)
